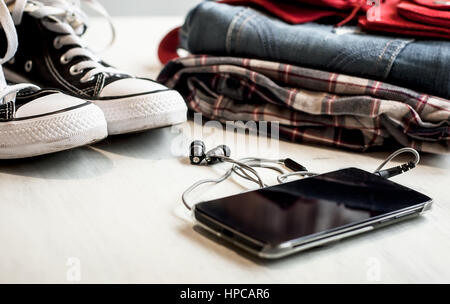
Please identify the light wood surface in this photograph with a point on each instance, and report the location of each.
(112, 212)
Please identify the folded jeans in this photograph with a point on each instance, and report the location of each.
(220, 29)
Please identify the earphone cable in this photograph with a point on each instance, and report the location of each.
(242, 166)
(397, 153)
(201, 182)
(281, 178)
(239, 167)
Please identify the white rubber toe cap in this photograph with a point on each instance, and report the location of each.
(48, 104)
(130, 86)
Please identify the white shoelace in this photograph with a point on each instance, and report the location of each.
(65, 17)
(8, 92)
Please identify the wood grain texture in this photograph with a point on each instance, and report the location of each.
(116, 207)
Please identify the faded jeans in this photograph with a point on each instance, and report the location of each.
(221, 29)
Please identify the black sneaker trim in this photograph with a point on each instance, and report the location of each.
(133, 95)
(25, 96)
(7, 111)
(124, 96)
(130, 95)
(54, 112)
(101, 98)
(22, 98)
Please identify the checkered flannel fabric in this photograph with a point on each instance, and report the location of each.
(310, 105)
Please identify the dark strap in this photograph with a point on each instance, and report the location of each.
(7, 111)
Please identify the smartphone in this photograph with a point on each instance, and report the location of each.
(280, 220)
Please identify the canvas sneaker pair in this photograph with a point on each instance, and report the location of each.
(98, 99)
(36, 121)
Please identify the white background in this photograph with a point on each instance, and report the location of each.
(148, 7)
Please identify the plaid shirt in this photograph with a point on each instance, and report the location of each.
(311, 105)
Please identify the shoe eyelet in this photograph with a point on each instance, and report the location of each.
(57, 43)
(74, 71)
(28, 66)
(64, 59)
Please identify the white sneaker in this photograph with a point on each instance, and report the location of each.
(53, 54)
(45, 121)
(35, 121)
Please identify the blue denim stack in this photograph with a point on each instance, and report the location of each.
(220, 29)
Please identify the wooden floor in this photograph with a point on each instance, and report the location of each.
(112, 212)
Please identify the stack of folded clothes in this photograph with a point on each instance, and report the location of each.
(324, 80)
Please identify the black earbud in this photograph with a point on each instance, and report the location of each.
(197, 154)
(212, 155)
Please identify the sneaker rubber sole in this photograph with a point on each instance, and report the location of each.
(143, 112)
(52, 133)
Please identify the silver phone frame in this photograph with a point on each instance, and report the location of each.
(313, 240)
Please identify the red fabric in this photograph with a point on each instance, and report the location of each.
(167, 49)
(439, 5)
(424, 14)
(346, 5)
(337, 4)
(389, 21)
(333, 4)
(290, 12)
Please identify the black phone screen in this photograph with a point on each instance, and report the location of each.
(296, 209)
